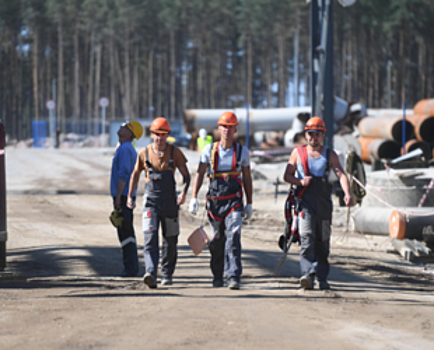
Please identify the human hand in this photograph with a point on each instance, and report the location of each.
(130, 203)
(194, 206)
(117, 202)
(181, 198)
(248, 211)
(348, 200)
(306, 181)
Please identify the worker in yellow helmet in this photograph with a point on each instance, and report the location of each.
(122, 168)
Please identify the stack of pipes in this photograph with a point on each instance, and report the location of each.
(381, 132)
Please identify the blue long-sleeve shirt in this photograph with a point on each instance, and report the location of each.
(122, 167)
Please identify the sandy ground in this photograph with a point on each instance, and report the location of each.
(61, 240)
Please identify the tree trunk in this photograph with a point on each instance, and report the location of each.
(35, 73)
(60, 84)
(150, 100)
(158, 110)
(113, 78)
(199, 72)
(76, 103)
(249, 68)
(268, 75)
(99, 49)
(127, 72)
(281, 66)
(135, 92)
(172, 74)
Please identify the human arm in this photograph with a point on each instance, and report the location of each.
(186, 181)
(247, 183)
(343, 179)
(134, 180)
(197, 184)
(290, 172)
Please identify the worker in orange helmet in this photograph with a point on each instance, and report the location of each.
(228, 165)
(308, 168)
(160, 160)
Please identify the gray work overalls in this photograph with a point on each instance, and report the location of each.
(160, 206)
(225, 209)
(315, 215)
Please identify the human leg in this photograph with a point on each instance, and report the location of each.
(322, 248)
(127, 239)
(233, 266)
(308, 258)
(216, 248)
(169, 254)
(151, 251)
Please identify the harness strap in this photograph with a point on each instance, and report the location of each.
(214, 159)
(221, 198)
(148, 163)
(232, 174)
(236, 157)
(302, 151)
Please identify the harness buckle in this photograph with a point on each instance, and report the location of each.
(226, 177)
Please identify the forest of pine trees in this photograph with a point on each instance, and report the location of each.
(173, 55)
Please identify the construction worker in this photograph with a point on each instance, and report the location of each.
(315, 206)
(122, 167)
(203, 140)
(160, 203)
(226, 161)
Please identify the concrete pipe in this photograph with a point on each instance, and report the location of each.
(424, 107)
(372, 220)
(415, 144)
(389, 128)
(259, 119)
(423, 126)
(416, 227)
(378, 148)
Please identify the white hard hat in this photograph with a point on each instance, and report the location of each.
(202, 133)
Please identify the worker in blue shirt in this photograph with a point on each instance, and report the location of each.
(122, 167)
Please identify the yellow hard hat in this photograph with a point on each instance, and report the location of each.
(136, 128)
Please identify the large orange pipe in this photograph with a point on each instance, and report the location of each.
(415, 144)
(389, 128)
(424, 107)
(423, 126)
(378, 148)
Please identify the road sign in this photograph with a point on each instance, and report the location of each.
(104, 102)
(50, 104)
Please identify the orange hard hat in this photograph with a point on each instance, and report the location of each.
(160, 125)
(228, 118)
(315, 124)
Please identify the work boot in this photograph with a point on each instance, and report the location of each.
(306, 282)
(233, 284)
(166, 281)
(217, 283)
(323, 285)
(149, 280)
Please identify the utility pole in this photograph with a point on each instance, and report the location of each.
(321, 48)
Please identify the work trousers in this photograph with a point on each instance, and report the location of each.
(225, 247)
(127, 238)
(315, 245)
(151, 252)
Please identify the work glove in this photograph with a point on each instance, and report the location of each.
(194, 206)
(248, 211)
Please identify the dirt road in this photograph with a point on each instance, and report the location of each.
(60, 238)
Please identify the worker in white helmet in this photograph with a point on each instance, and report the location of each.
(203, 140)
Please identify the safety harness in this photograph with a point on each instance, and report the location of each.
(224, 179)
(293, 199)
